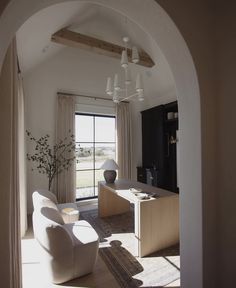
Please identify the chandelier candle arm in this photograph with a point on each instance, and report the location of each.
(116, 97)
(117, 82)
(109, 85)
(139, 82)
(124, 59)
(135, 55)
(130, 96)
(127, 76)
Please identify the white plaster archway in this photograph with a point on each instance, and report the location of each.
(154, 21)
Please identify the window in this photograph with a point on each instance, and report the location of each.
(95, 142)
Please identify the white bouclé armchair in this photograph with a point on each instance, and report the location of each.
(69, 250)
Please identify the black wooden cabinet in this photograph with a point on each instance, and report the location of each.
(159, 147)
(153, 141)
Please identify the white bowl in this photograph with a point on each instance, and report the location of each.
(141, 196)
(134, 190)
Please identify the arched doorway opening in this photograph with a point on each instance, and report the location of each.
(161, 28)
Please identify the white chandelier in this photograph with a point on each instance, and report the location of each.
(119, 93)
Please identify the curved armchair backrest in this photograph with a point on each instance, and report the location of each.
(48, 230)
(47, 194)
(42, 198)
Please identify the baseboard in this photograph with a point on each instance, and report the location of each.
(87, 202)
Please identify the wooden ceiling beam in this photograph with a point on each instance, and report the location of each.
(78, 40)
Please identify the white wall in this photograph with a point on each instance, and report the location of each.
(76, 71)
(67, 71)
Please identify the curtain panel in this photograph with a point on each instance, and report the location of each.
(64, 185)
(124, 140)
(10, 248)
(21, 156)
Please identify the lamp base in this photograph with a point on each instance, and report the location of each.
(110, 176)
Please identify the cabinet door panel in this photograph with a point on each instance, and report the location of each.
(158, 148)
(153, 140)
(141, 175)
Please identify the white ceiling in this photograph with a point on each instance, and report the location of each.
(34, 45)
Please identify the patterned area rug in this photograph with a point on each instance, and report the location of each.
(117, 249)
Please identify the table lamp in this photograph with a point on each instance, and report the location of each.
(109, 174)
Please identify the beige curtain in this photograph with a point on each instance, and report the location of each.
(21, 156)
(10, 250)
(65, 125)
(124, 138)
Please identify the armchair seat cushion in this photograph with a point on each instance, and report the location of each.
(82, 232)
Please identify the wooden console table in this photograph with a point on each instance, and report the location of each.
(156, 219)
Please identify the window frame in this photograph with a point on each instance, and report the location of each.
(93, 143)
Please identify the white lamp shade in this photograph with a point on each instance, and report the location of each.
(127, 76)
(124, 59)
(139, 82)
(108, 89)
(116, 82)
(135, 55)
(109, 164)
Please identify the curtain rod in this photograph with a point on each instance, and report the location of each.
(79, 95)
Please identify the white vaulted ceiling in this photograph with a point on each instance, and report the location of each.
(35, 47)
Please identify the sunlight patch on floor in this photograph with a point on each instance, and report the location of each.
(35, 274)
